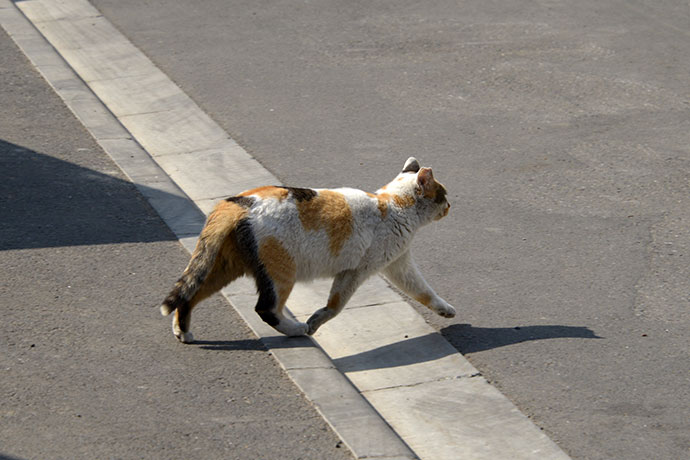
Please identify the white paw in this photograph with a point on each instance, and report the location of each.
(165, 310)
(446, 311)
(292, 329)
(300, 329)
(185, 337)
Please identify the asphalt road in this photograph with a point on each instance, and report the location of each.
(88, 369)
(561, 130)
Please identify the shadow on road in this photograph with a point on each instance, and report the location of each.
(229, 345)
(266, 343)
(469, 339)
(7, 457)
(463, 337)
(428, 347)
(48, 202)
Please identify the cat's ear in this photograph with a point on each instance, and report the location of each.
(425, 179)
(411, 165)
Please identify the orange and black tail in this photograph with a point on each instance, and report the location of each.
(222, 221)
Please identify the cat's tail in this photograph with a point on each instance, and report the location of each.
(219, 225)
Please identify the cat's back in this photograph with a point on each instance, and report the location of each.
(324, 230)
(314, 207)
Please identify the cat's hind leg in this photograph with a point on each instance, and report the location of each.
(344, 285)
(275, 277)
(270, 308)
(223, 272)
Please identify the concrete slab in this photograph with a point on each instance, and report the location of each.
(132, 158)
(83, 43)
(189, 242)
(50, 11)
(307, 297)
(297, 353)
(89, 63)
(215, 173)
(42, 54)
(389, 345)
(97, 118)
(139, 94)
(68, 34)
(64, 83)
(350, 416)
(463, 418)
(176, 209)
(207, 206)
(170, 131)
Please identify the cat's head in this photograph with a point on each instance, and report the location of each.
(418, 182)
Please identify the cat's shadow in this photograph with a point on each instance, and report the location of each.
(264, 344)
(464, 338)
(470, 339)
(230, 345)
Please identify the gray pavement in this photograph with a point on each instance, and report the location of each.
(410, 384)
(87, 367)
(561, 130)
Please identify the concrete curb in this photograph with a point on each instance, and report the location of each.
(182, 161)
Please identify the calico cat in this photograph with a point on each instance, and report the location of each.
(281, 235)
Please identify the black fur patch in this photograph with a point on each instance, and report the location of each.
(267, 315)
(189, 282)
(266, 305)
(244, 201)
(440, 195)
(301, 194)
(174, 300)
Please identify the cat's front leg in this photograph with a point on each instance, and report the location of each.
(403, 272)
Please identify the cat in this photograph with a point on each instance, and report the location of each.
(281, 235)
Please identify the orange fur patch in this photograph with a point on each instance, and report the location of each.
(404, 201)
(329, 211)
(382, 204)
(267, 191)
(225, 214)
(424, 299)
(433, 189)
(280, 266)
(220, 224)
(333, 302)
(401, 201)
(430, 191)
